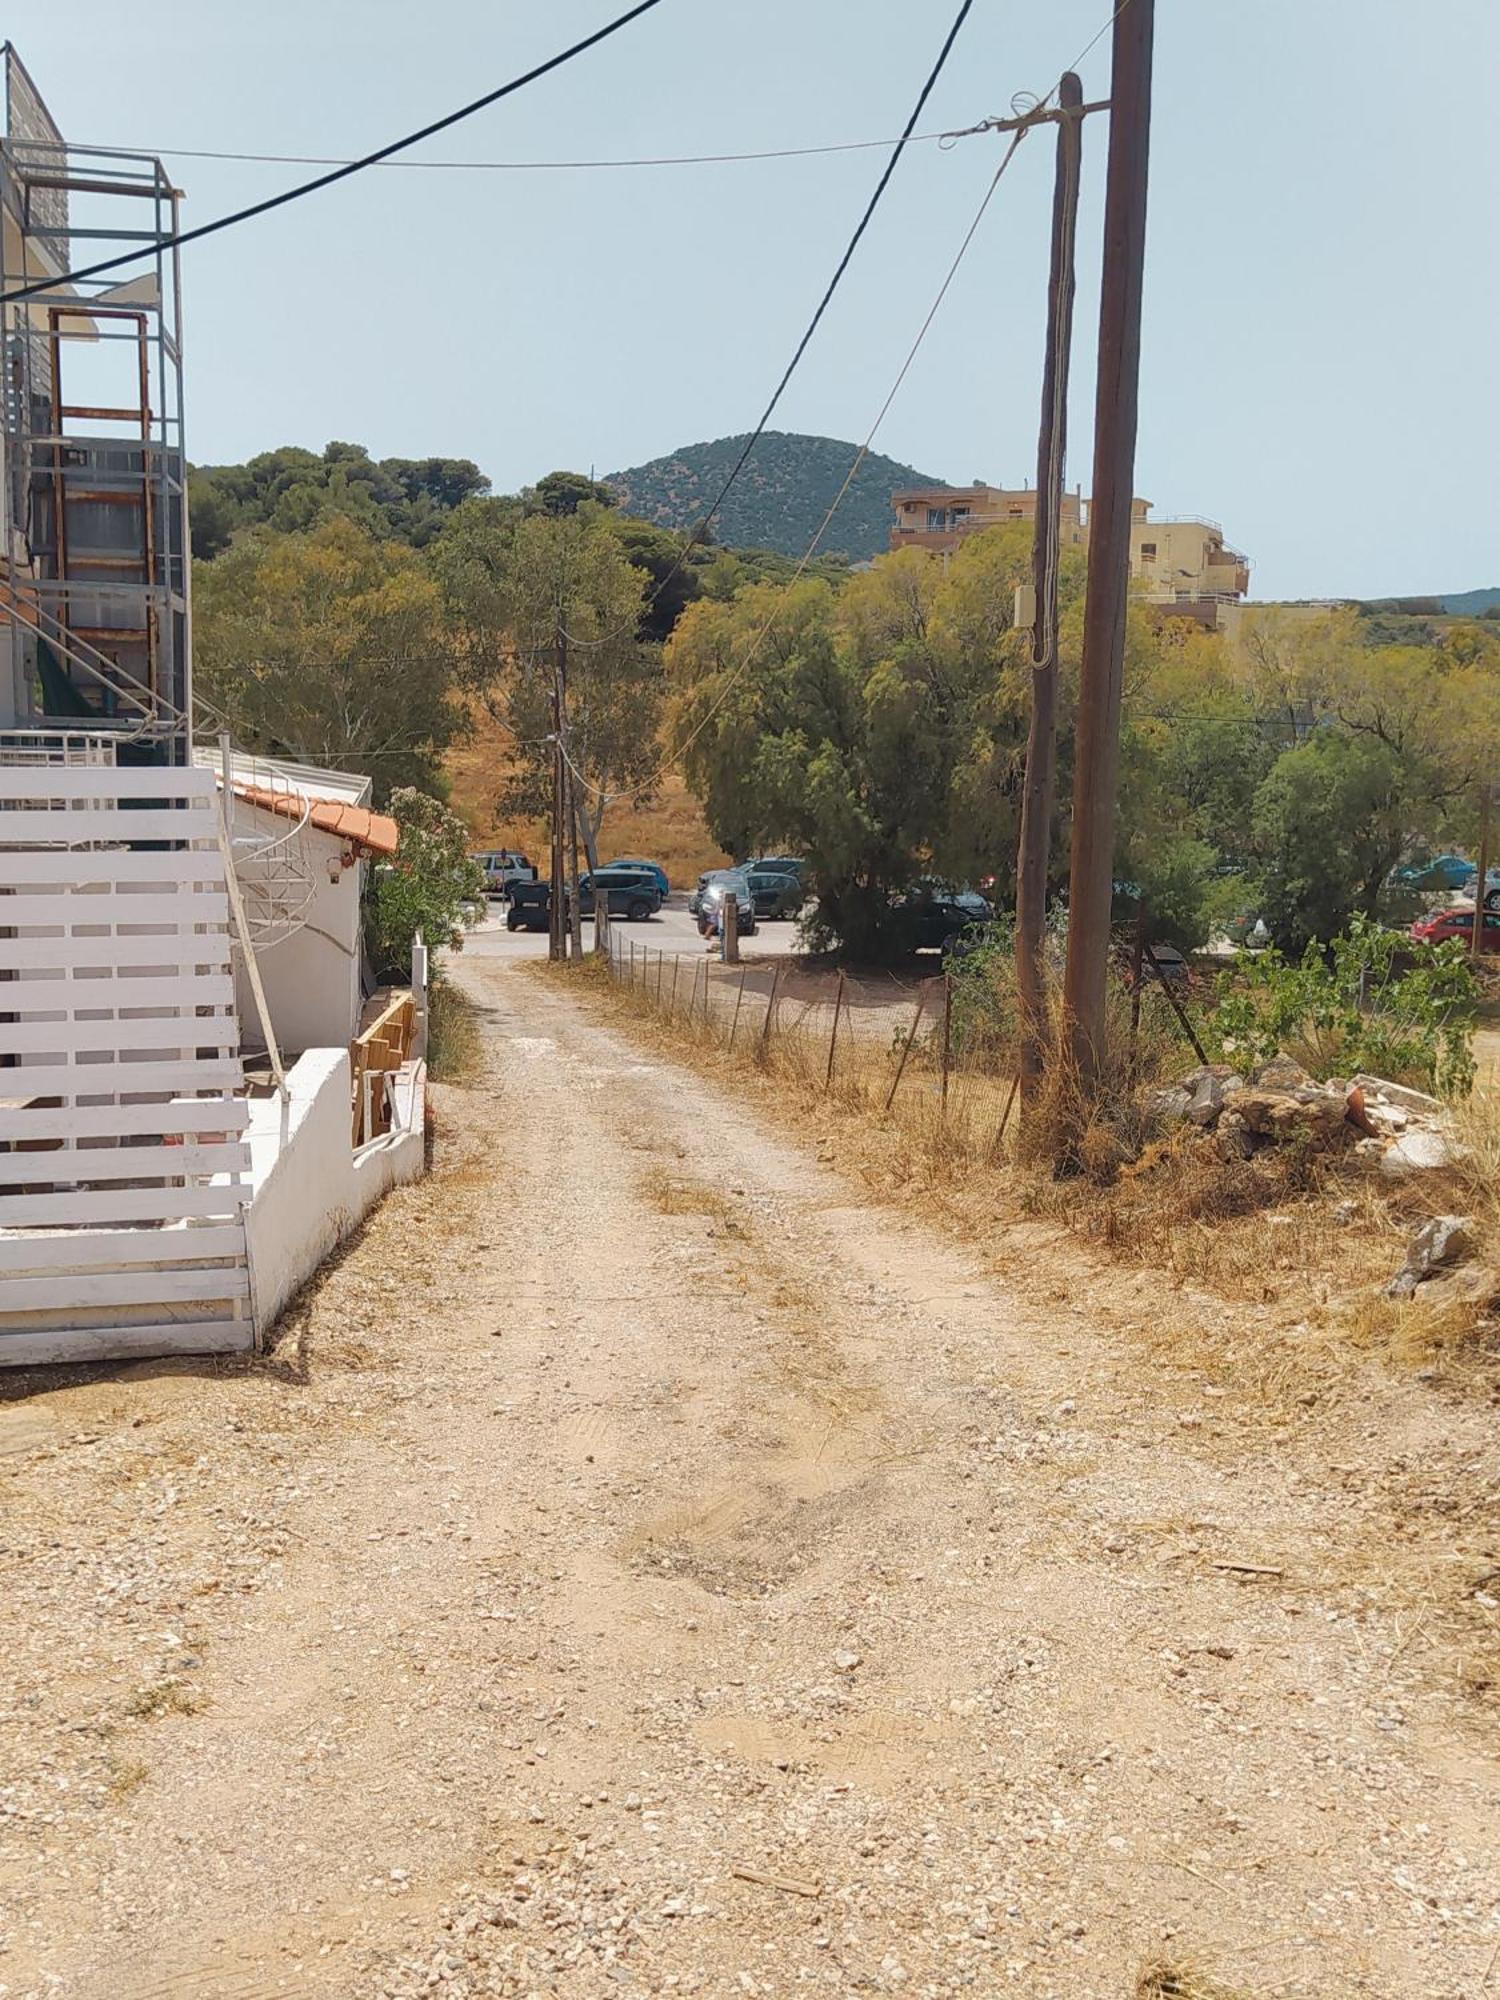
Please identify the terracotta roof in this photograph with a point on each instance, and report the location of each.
(376, 833)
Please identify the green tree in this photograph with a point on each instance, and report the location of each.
(513, 589)
(1331, 819)
(874, 729)
(423, 888)
(560, 493)
(329, 647)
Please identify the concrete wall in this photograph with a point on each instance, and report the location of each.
(311, 977)
(310, 1188)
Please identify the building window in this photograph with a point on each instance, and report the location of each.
(1148, 552)
(937, 519)
(960, 514)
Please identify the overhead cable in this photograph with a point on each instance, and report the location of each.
(768, 625)
(341, 172)
(801, 348)
(559, 166)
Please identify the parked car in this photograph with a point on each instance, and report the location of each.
(629, 892)
(695, 901)
(1450, 923)
(652, 868)
(936, 915)
(774, 893)
(1171, 968)
(711, 896)
(779, 864)
(1443, 871)
(502, 867)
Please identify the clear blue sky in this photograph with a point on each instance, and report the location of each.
(1321, 301)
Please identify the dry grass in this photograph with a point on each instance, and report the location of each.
(670, 830)
(1311, 1237)
(452, 1033)
(165, 1697)
(673, 1195)
(126, 1776)
(1165, 1979)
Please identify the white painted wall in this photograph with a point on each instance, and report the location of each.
(312, 977)
(310, 1189)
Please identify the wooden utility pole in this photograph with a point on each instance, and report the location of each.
(1476, 944)
(1041, 743)
(1097, 739)
(556, 924)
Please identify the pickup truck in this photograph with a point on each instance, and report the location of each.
(629, 892)
(503, 869)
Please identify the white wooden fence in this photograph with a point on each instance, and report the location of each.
(123, 1173)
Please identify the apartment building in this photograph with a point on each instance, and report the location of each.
(1182, 564)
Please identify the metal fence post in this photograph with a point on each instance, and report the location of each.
(911, 1036)
(947, 1032)
(838, 1001)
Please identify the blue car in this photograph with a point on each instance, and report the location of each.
(652, 868)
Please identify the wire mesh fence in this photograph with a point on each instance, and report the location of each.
(895, 1051)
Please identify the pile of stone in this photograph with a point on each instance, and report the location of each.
(1279, 1103)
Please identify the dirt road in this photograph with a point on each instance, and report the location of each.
(647, 1567)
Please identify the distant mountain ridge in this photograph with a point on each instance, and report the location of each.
(1471, 603)
(779, 499)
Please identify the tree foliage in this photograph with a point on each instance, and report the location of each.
(424, 888)
(292, 490)
(329, 647)
(516, 590)
(877, 730)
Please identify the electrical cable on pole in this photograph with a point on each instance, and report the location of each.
(1097, 737)
(702, 526)
(339, 173)
(1041, 743)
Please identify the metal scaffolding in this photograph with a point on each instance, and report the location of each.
(95, 589)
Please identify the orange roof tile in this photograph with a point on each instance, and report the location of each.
(376, 833)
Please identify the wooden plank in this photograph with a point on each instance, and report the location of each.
(162, 1204)
(87, 906)
(206, 949)
(75, 996)
(122, 1343)
(63, 1291)
(120, 1079)
(39, 867)
(120, 1163)
(99, 1249)
(183, 1031)
(107, 781)
(61, 828)
(118, 1121)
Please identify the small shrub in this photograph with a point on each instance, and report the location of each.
(1373, 1000)
(425, 888)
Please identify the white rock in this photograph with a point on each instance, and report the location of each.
(1418, 1151)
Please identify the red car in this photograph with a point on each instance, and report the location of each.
(1458, 924)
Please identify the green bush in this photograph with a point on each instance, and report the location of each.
(424, 888)
(1374, 1000)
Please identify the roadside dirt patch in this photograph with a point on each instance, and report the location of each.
(579, 1571)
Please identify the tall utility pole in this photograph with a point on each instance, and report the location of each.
(556, 923)
(1097, 739)
(1476, 940)
(1041, 743)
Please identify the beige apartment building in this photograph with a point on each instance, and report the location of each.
(1183, 564)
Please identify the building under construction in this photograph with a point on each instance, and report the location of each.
(93, 538)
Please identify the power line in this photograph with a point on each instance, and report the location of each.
(342, 172)
(553, 166)
(768, 626)
(812, 326)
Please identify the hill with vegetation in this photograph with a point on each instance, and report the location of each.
(779, 500)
